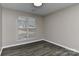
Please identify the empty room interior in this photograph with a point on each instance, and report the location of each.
(39, 29)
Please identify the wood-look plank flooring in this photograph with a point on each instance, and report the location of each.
(41, 48)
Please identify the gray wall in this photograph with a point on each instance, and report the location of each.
(0, 28)
(9, 27)
(62, 27)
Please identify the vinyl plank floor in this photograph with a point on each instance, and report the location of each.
(41, 48)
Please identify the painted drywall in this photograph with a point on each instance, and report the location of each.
(9, 27)
(0, 29)
(62, 27)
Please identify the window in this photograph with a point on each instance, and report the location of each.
(26, 27)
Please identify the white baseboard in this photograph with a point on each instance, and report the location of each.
(1, 51)
(62, 46)
(21, 43)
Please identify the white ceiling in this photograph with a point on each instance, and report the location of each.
(28, 7)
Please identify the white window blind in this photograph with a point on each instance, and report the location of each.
(26, 27)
